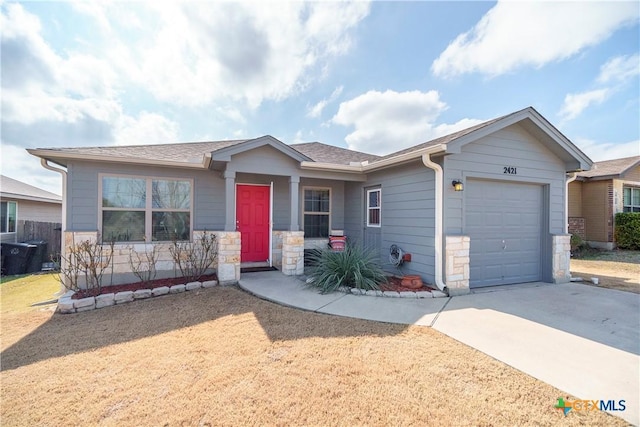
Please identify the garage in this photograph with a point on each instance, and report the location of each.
(504, 222)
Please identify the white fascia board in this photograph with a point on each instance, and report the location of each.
(330, 167)
(61, 156)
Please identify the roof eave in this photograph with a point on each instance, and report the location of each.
(404, 158)
(61, 156)
(4, 195)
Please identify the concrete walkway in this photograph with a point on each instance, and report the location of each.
(581, 339)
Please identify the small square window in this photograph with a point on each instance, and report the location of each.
(374, 208)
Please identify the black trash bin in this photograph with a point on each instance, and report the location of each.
(16, 257)
(38, 256)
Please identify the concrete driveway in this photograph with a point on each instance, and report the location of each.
(581, 339)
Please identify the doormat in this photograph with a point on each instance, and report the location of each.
(257, 269)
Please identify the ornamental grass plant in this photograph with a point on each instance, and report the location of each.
(354, 267)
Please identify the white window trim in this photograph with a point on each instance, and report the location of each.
(148, 209)
(7, 224)
(631, 205)
(372, 190)
(304, 212)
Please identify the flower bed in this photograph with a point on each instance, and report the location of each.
(111, 295)
(85, 293)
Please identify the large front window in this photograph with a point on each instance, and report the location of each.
(631, 199)
(9, 217)
(317, 208)
(145, 209)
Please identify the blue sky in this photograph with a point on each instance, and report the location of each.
(370, 76)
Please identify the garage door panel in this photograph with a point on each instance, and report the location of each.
(503, 220)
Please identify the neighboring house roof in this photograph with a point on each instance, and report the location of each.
(610, 169)
(315, 155)
(13, 189)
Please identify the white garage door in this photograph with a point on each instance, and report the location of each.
(504, 222)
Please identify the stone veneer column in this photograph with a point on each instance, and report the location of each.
(228, 269)
(457, 264)
(561, 247)
(276, 248)
(292, 253)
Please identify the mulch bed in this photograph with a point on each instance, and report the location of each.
(138, 285)
(395, 284)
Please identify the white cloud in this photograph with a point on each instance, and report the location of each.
(620, 69)
(197, 53)
(389, 121)
(600, 151)
(576, 103)
(317, 109)
(516, 34)
(18, 164)
(147, 128)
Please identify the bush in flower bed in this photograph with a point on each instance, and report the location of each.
(355, 267)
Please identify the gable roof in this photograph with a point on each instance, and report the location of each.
(315, 155)
(609, 169)
(532, 121)
(13, 189)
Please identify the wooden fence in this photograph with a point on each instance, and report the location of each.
(50, 232)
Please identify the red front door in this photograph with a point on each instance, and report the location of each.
(252, 221)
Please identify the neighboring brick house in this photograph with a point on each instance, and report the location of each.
(597, 195)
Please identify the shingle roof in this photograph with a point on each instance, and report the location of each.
(447, 138)
(187, 152)
(610, 168)
(324, 153)
(12, 188)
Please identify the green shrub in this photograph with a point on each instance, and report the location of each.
(576, 242)
(355, 267)
(627, 232)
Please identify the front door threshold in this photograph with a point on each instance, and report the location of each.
(254, 264)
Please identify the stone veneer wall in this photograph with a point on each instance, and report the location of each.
(457, 264)
(561, 247)
(227, 267)
(292, 253)
(276, 248)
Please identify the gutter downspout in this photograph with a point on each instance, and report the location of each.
(46, 165)
(572, 177)
(426, 159)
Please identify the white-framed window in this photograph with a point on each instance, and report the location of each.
(145, 208)
(374, 207)
(316, 212)
(631, 199)
(9, 217)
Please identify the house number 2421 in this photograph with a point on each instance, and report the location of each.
(509, 170)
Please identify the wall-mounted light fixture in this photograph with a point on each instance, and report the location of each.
(457, 185)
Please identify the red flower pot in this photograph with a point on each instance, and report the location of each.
(412, 282)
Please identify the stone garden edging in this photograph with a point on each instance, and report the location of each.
(67, 305)
(394, 294)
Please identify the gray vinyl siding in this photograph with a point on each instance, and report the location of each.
(354, 211)
(83, 192)
(407, 216)
(486, 159)
(265, 160)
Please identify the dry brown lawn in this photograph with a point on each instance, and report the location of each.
(223, 357)
(614, 269)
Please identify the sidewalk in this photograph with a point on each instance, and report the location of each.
(583, 340)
